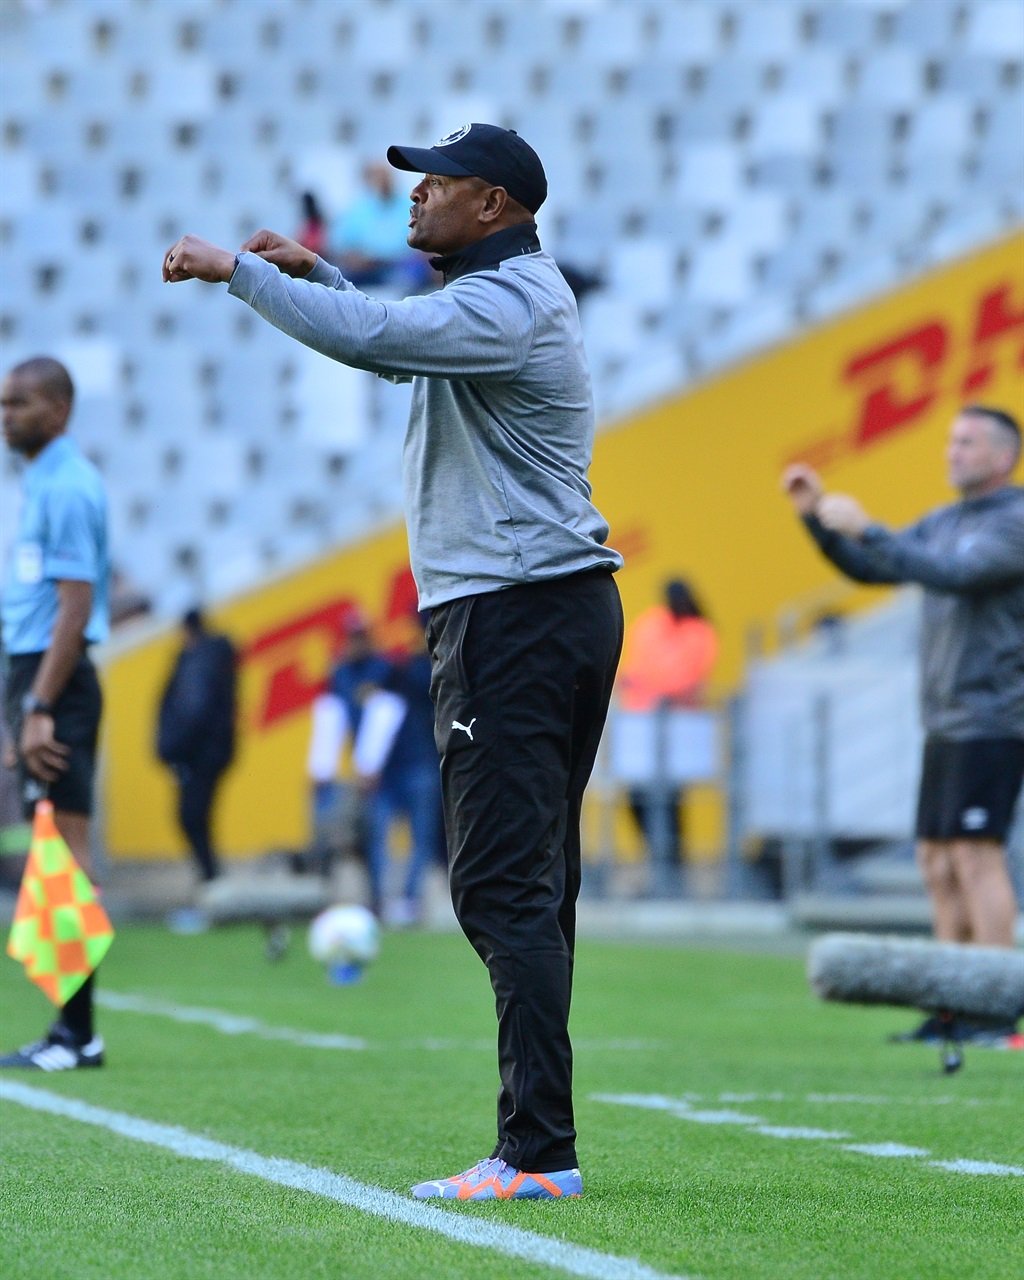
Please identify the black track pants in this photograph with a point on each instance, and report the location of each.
(521, 684)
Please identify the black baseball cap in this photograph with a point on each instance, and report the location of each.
(497, 155)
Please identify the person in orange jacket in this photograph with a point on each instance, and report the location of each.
(669, 652)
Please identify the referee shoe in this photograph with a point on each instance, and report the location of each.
(57, 1051)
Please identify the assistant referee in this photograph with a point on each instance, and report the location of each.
(54, 605)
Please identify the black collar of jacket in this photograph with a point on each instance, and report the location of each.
(489, 252)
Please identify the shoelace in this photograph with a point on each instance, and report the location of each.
(484, 1168)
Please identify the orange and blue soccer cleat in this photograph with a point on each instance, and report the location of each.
(495, 1180)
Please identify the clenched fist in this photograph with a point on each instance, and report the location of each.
(194, 259)
(290, 257)
(802, 485)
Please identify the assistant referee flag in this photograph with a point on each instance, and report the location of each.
(60, 932)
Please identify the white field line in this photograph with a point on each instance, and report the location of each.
(512, 1242)
(233, 1024)
(683, 1109)
(855, 1099)
(229, 1024)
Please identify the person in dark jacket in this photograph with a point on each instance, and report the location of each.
(196, 730)
(969, 558)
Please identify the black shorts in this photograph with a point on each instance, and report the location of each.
(969, 789)
(76, 724)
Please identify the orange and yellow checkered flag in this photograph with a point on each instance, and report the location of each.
(60, 932)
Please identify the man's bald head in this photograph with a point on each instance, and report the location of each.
(49, 376)
(35, 399)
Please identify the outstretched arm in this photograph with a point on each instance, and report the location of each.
(803, 486)
(982, 561)
(191, 258)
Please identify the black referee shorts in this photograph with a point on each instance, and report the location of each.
(76, 724)
(969, 789)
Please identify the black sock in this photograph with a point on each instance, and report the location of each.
(77, 1013)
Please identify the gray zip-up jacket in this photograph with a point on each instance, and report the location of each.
(502, 420)
(969, 557)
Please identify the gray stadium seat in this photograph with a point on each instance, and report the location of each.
(691, 34)
(770, 30)
(996, 27)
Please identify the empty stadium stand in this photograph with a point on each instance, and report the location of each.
(734, 170)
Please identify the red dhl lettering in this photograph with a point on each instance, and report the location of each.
(996, 321)
(906, 371)
(291, 679)
(290, 662)
(900, 379)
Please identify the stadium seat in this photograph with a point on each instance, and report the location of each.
(893, 77)
(721, 272)
(750, 329)
(611, 38)
(382, 38)
(710, 176)
(770, 30)
(963, 229)
(788, 124)
(944, 124)
(817, 74)
(996, 27)
(978, 77)
(688, 34)
(927, 25)
(848, 26)
(865, 274)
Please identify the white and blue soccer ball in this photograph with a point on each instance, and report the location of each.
(344, 935)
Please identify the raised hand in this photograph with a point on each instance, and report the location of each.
(290, 257)
(843, 514)
(193, 259)
(802, 485)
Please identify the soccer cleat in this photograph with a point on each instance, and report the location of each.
(57, 1051)
(495, 1180)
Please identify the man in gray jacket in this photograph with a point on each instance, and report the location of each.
(509, 556)
(969, 557)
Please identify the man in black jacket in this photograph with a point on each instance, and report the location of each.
(196, 731)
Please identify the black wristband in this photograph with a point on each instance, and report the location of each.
(33, 706)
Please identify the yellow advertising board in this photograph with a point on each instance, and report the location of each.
(691, 489)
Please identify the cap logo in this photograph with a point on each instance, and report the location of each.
(456, 136)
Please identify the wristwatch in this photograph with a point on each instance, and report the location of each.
(31, 705)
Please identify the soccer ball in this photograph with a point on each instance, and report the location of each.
(344, 936)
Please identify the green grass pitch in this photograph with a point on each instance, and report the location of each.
(728, 1159)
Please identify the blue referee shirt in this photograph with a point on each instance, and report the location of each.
(62, 534)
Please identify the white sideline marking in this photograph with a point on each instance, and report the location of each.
(857, 1099)
(887, 1150)
(233, 1024)
(798, 1131)
(682, 1108)
(979, 1166)
(229, 1024)
(513, 1242)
